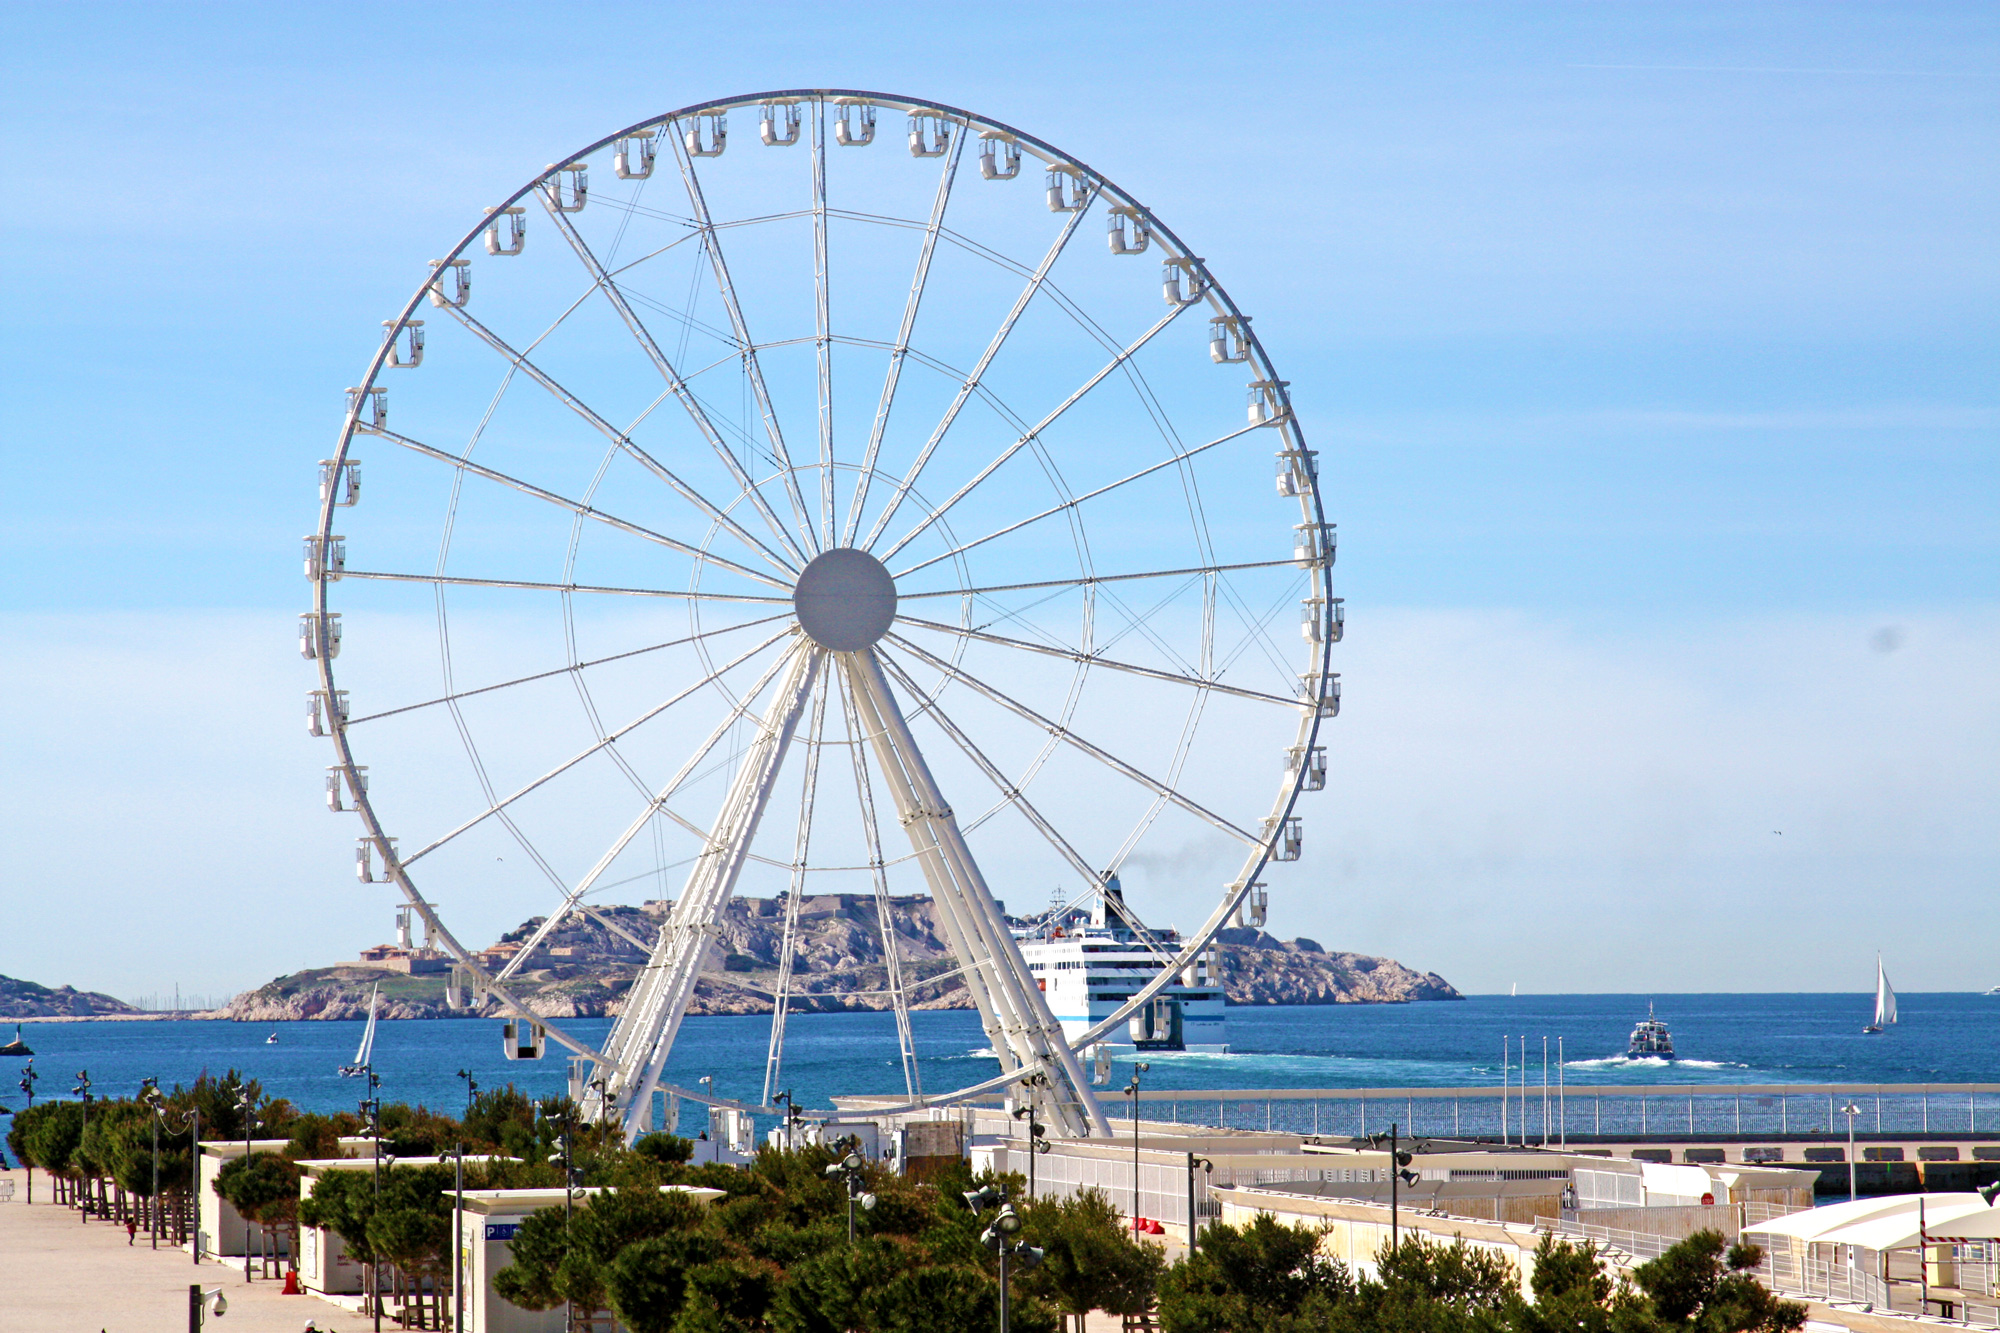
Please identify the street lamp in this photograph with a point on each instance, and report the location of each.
(1850, 1111)
(28, 1077)
(852, 1168)
(149, 1097)
(1002, 1237)
(82, 1089)
(1132, 1091)
(471, 1088)
(458, 1239)
(1037, 1140)
(1194, 1225)
(1398, 1160)
(246, 1102)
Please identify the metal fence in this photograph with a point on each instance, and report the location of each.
(1581, 1111)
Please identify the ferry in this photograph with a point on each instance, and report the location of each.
(1089, 964)
(1650, 1040)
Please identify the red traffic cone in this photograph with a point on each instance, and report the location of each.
(292, 1287)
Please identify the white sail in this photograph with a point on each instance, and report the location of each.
(367, 1047)
(1885, 998)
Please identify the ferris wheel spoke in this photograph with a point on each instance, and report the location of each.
(1086, 580)
(752, 367)
(1096, 660)
(610, 738)
(1076, 742)
(1181, 457)
(971, 381)
(625, 442)
(1033, 434)
(901, 350)
(564, 670)
(456, 581)
(667, 372)
(822, 319)
(577, 507)
(654, 806)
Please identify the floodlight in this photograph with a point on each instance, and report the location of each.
(867, 1202)
(981, 1199)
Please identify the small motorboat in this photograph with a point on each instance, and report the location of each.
(1650, 1039)
(1885, 1001)
(271, 1040)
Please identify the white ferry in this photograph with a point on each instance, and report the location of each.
(1088, 964)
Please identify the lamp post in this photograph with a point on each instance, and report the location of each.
(1194, 1226)
(149, 1097)
(458, 1239)
(851, 1167)
(246, 1102)
(1398, 1160)
(1002, 1238)
(471, 1088)
(371, 1113)
(1850, 1111)
(82, 1089)
(1036, 1130)
(28, 1077)
(1132, 1091)
(192, 1122)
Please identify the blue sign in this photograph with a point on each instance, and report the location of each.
(501, 1230)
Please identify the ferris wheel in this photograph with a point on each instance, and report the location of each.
(817, 509)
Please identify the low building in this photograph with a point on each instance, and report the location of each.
(220, 1230)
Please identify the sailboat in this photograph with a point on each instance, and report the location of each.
(365, 1053)
(1885, 1000)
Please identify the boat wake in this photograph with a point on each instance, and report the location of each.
(1650, 1062)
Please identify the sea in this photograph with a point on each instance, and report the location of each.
(1722, 1039)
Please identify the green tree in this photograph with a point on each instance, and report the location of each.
(1090, 1260)
(1706, 1284)
(1260, 1278)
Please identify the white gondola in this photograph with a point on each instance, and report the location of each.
(1313, 760)
(569, 187)
(634, 159)
(1176, 269)
(1298, 470)
(341, 481)
(522, 1040)
(1229, 339)
(717, 139)
(778, 124)
(325, 556)
(1321, 689)
(930, 133)
(1313, 544)
(999, 156)
(370, 408)
(1067, 188)
(1267, 402)
(321, 719)
(516, 220)
(341, 783)
(853, 123)
(319, 635)
(364, 861)
(406, 343)
(1253, 909)
(1286, 837)
(458, 272)
(1117, 219)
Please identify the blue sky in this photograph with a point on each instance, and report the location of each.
(1650, 350)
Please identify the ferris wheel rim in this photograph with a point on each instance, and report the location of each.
(1212, 292)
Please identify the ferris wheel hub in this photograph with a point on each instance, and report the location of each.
(845, 600)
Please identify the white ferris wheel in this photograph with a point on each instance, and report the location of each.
(819, 510)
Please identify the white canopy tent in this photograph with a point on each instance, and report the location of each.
(1814, 1224)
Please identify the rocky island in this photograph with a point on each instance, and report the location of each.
(584, 967)
(26, 999)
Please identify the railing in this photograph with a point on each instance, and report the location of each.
(1604, 1111)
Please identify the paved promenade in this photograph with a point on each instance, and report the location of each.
(66, 1276)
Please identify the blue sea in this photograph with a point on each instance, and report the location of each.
(1723, 1039)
